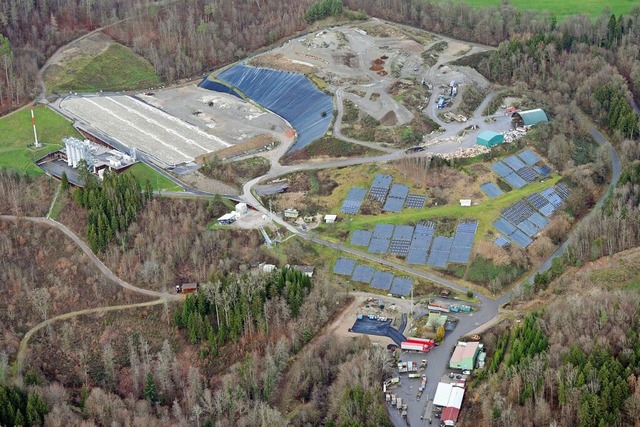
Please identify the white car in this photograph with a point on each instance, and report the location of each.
(466, 372)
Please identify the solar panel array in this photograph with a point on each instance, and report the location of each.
(463, 242)
(380, 187)
(491, 190)
(396, 198)
(518, 170)
(402, 286)
(379, 246)
(420, 243)
(527, 174)
(440, 250)
(354, 200)
(514, 162)
(363, 274)
(383, 231)
(382, 280)
(344, 266)
(522, 221)
(502, 241)
(416, 201)
(361, 238)
(529, 157)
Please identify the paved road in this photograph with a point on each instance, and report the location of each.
(94, 259)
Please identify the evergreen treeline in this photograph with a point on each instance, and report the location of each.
(112, 206)
(621, 116)
(223, 310)
(323, 9)
(19, 408)
(528, 340)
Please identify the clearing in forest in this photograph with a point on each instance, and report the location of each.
(99, 63)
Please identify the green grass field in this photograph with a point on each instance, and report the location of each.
(158, 182)
(117, 68)
(16, 133)
(563, 9)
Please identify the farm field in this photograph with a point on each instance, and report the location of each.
(16, 133)
(114, 69)
(592, 8)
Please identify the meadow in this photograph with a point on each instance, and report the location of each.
(563, 9)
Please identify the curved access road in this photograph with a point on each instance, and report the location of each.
(22, 351)
(165, 296)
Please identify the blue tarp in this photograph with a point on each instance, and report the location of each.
(290, 95)
(218, 87)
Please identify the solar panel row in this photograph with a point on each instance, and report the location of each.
(543, 170)
(438, 259)
(417, 255)
(528, 228)
(501, 169)
(514, 163)
(553, 197)
(527, 174)
(363, 274)
(563, 191)
(515, 181)
(402, 286)
(383, 231)
(517, 212)
(354, 200)
(361, 238)
(378, 194)
(382, 181)
(399, 247)
(467, 227)
(393, 205)
(502, 241)
(460, 255)
(344, 266)
(379, 246)
(491, 190)
(403, 232)
(416, 201)
(504, 226)
(399, 191)
(529, 157)
(538, 220)
(521, 239)
(382, 280)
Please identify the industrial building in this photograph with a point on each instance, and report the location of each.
(228, 218)
(489, 138)
(449, 397)
(529, 117)
(97, 157)
(464, 356)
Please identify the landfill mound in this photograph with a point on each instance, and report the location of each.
(290, 95)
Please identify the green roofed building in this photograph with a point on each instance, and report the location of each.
(529, 117)
(489, 138)
(464, 356)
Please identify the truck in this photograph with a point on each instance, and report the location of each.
(426, 414)
(441, 102)
(423, 364)
(454, 308)
(434, 306)
(399, 403)
(417, 344)
(424, 381)
(465, 309)
(393, 400)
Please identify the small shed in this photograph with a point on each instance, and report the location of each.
(465, 202)
(267, 268)
(489, 138)
(330, 219)
(529, 117)
(228, 218)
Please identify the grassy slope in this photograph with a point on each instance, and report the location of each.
(486, 212)
(562, 9)
(158, 182)
(117, 68)
(16, 133)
